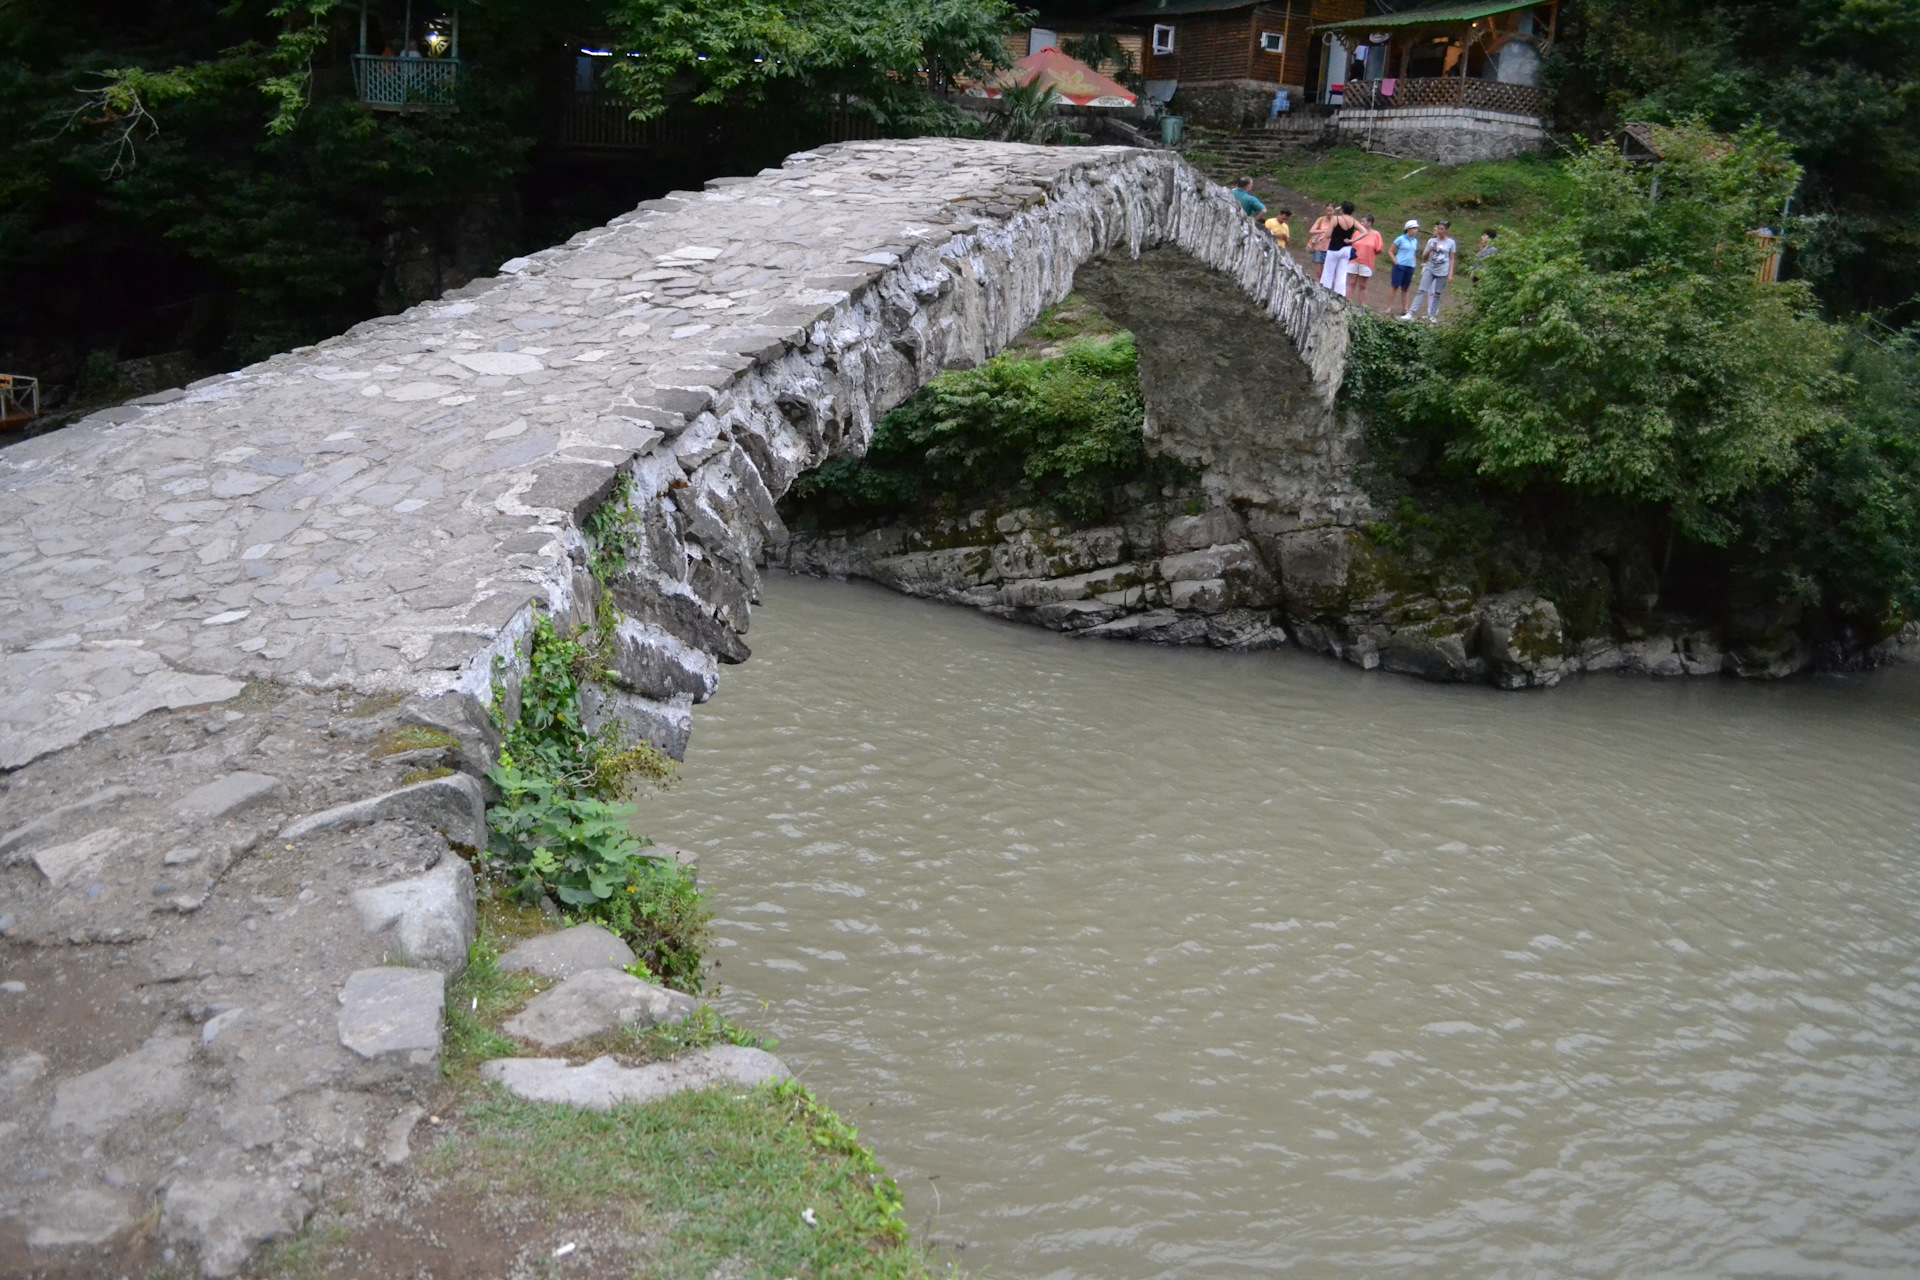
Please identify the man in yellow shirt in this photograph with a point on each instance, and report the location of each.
(1281, 229)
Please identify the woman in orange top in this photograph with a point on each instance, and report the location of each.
(1366, 247)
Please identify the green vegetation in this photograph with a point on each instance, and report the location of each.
(877, 57)
(718, 1175)
(724, 1175)
(1621, 369)
(1026, 427)
(1838, 80)
(1514, 195)
(196, 181)
(561, 827)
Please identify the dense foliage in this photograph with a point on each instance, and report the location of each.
(1623, 358)
(1839, 80)
(875, 57)
(199, 177)
(1063, 431)
(562, 828)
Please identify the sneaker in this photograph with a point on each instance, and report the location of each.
(1407, 316)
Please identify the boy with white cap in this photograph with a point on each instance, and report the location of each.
(1406, 251)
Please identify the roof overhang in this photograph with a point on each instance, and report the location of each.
(1439, 15)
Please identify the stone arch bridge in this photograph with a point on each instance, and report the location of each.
(387, 511)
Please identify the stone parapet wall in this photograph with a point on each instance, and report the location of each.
(1447, 135)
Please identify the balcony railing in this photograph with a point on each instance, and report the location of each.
(406, 84)
(1478, 95)
(19, 400)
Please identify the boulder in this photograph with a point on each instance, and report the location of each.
(454, 805)
(1245, 631)
(1439, 650)
(1700, 653)
(602, 1084)
(1156, 626)
(569, 952)
(593, 1002)
(1654, 656)
(224, 1220)
(392, 1016)
(432, 916)
(1521, 640)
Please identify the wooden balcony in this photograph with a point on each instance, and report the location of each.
(406, 84)
(19, 400)
(1450, 92)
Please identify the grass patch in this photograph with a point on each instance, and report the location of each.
(637, 1046)
(485, 993)
(1509, 194)
(414, 737)
(734, 1173)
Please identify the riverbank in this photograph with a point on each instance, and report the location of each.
(1024, 490)
(230, 1028)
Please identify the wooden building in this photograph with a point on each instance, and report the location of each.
(1227, 59)
(1454, 82)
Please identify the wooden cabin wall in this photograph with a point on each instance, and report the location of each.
(1211, 47)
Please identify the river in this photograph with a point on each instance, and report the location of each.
(1138, 962)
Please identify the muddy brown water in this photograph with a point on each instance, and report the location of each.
(1136, 962)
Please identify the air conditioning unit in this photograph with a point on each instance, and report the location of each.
(1162, 39)
(1273, 42)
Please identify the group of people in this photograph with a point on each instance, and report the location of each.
(1346, 248)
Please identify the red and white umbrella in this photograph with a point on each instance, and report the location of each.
(1071, 80)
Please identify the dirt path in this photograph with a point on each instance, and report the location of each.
(1306, 208)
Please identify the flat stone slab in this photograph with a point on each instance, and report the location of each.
(59, 863)
(143, 1085)
(81, 1216)
(225, 1219)
(454, 805)
(394, 1014)
(568, 952)
(603, 1084)
(593, 1002)
(432, 916)
(230, 794)
(56, 695)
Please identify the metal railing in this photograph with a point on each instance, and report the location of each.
(406, 84)
(19, 400)
(1479, 95)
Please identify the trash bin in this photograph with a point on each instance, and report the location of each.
(1173, 129)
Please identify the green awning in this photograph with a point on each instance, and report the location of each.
(1434, 15)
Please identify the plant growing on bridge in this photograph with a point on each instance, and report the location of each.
(560, 827)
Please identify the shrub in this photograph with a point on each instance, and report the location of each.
(1063, 431)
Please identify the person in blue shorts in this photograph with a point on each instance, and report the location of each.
(1406, 252)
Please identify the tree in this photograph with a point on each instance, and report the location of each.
(878, 57)
(1839, 80)
(1627, 353)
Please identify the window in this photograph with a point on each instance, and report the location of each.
(1273, 42)
(1162, 39)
